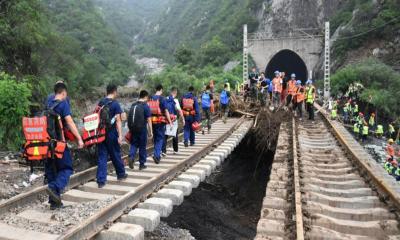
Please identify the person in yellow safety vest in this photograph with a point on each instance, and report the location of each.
(371, 121)
(391, 131)
(388, 165)
(347, 111)
(310, 98)
(379, 131)
(355, 109)
(334, 110)
(365, 131)
(356, 130)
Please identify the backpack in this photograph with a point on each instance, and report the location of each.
(136, 118)
(154, 107)
(188, 107)
(224, 99)
(96, 125)
(205, 100)
(44, 136)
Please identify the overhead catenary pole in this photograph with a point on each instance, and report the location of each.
(327, 77)
(245, 55)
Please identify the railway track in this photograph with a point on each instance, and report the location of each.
(89, 210)
(320, 189)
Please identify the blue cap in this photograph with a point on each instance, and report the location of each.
(309, 81)
(293, 75)
(277, 72)
(298, 82)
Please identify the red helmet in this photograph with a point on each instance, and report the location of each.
(361, 114)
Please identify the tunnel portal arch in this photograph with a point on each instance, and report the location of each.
(289, 62)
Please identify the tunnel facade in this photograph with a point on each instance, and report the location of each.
(289, 62)
(286, 55)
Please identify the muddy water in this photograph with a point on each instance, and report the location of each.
(227, 205)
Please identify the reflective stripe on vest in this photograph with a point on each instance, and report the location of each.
(356, 129)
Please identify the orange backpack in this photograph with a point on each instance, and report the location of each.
(44, 136)
(188, 106)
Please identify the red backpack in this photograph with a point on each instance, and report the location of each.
(95, 125)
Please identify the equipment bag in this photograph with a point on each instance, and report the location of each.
(136, 118)
(205, 100)
(188, 107)
(154, 107)
(44, 136)
(224, 99)
(196, 126)
(95, 125)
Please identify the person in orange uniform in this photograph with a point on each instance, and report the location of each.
(299, 99)
(390, 148)
(276, 89)
(291, 89)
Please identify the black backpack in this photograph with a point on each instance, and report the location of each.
(105, 118)
(54, 122)
(136, 119)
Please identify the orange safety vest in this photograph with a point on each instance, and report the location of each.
(277, 84)
(188, 107)
(300, 94)
(291, 87)
(390, 150)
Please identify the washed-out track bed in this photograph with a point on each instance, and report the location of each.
(322, 186)
(136, 203)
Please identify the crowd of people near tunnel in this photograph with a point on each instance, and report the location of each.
(154, 116)
(281, 91)
(365, 125)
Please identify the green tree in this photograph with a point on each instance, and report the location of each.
(214, 52)
(183, 55)
(14, 104)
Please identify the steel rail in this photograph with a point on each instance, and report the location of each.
(112, 212)
(381, 183)
(297, 190)
(76, 180)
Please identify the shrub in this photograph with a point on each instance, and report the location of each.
(14, 104)
(381, 84)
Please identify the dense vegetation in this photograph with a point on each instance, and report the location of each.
(375, 77)
(365, 21)
(42, 41)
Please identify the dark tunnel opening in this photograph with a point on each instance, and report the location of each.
(289, 62)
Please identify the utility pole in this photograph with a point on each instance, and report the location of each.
(245, 55)
(327, 72)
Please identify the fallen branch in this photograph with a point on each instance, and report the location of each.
(245, 113)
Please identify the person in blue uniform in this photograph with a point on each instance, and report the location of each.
(139, 140)
(160, 117)
(174, 108)
(58, 172)
(111, 146)
(190, 108)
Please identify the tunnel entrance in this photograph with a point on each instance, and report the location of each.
(289, 62)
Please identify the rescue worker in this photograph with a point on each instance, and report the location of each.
(347, 111)
(224, 100)
(334, 110)
(276, 89)
(190, 108)
(111, 146)
(371, 121)
(58, 172)
(393, 168)
(379, 131)
(389, 165)
(253, 79)
(365, 132)
(310, 98)
(174, 108)
(397, 173)
(291, 89)
(299, 99)
(390, 149)
(206, 99)
(284, 85)
(355, 109)
(139, 140)
(360, 121)
(159, 118)
(391, 131)
(356, 130)
(264, 84)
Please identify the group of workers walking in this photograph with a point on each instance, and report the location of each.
(281, 91)
(153, 116)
